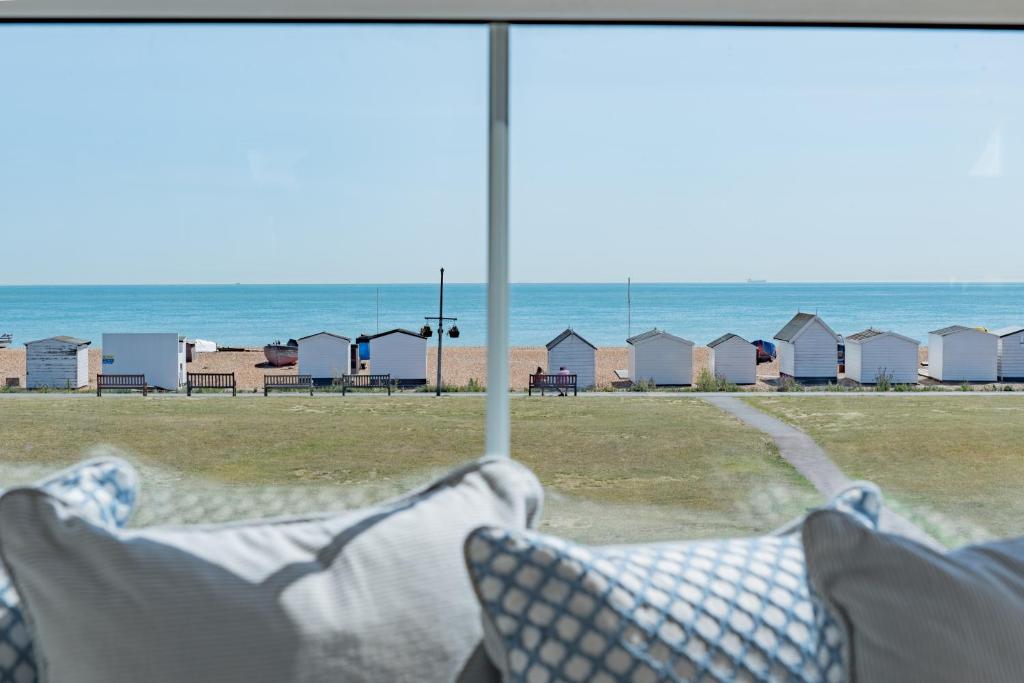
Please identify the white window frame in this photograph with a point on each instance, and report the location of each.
(980, 14)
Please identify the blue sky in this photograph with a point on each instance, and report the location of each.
(260, 153)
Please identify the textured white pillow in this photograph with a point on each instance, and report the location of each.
(693, 612)
(377, 594)
(102, 489)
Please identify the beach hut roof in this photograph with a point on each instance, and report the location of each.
(329, 334)
(726, 337)
(569, 332)
(397, 330)
(872, 333)
(798, 324)
(74, 341)
(955, 329)
(651, 334)
(1007, 331)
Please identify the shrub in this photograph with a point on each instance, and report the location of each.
(790, 384)
(643, 385)
(883, 380)
(966, 386)
(708, 382)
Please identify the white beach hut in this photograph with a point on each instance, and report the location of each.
(401, 354)
(1011, 353)
(57, 363)
(575, 354)
(808, 349)
(962, 354)
(663, 358)
(873, 353)
(160, 356)
(734, 359)
(325, 355)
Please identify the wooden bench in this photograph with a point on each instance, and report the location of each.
(561, 383)
(128, 382)
(365, 382)
(211, 380)
(287, 382)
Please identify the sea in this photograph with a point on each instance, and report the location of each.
(606, 314)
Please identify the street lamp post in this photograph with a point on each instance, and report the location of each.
(441, 319)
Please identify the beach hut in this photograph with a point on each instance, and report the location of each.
(808, 349)
(873, 353)
(734, 359)
(401, 354)
(663, 358)
(325, 356)
(57, 363)
(1011, 353)
(160, 356)
(575, 354)
(962, 354)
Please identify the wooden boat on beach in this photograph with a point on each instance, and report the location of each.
(280, 355)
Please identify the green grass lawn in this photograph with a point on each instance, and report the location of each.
(616, 469)
(954, 464)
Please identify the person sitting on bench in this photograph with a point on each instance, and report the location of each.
(564, 371)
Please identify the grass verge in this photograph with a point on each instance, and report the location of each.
(954, 464)
(616, 470)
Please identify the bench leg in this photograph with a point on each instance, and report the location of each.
(265, 390)
(188, 390)
(99, 391)
(234, 390)
(389, 388)
(145, 390)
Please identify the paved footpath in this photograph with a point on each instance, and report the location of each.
(810, 460)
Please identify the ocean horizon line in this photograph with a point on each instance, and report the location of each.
(531, 283)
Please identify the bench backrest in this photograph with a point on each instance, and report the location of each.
(287, 380)
(212, 380)
(552, 380)
(119, 381)
(368, 381)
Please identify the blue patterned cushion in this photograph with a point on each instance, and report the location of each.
(725, 611)
(103, 490)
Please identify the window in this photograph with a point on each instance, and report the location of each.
(708, 180)
(696, 277)
(241, 185)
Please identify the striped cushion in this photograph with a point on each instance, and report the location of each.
(708, 611)
(102, 490)
(910, 613)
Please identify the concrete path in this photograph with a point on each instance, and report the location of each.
(810, 460)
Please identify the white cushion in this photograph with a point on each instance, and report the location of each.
(377, 594)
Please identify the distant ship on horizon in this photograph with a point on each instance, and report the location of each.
(752, 281)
